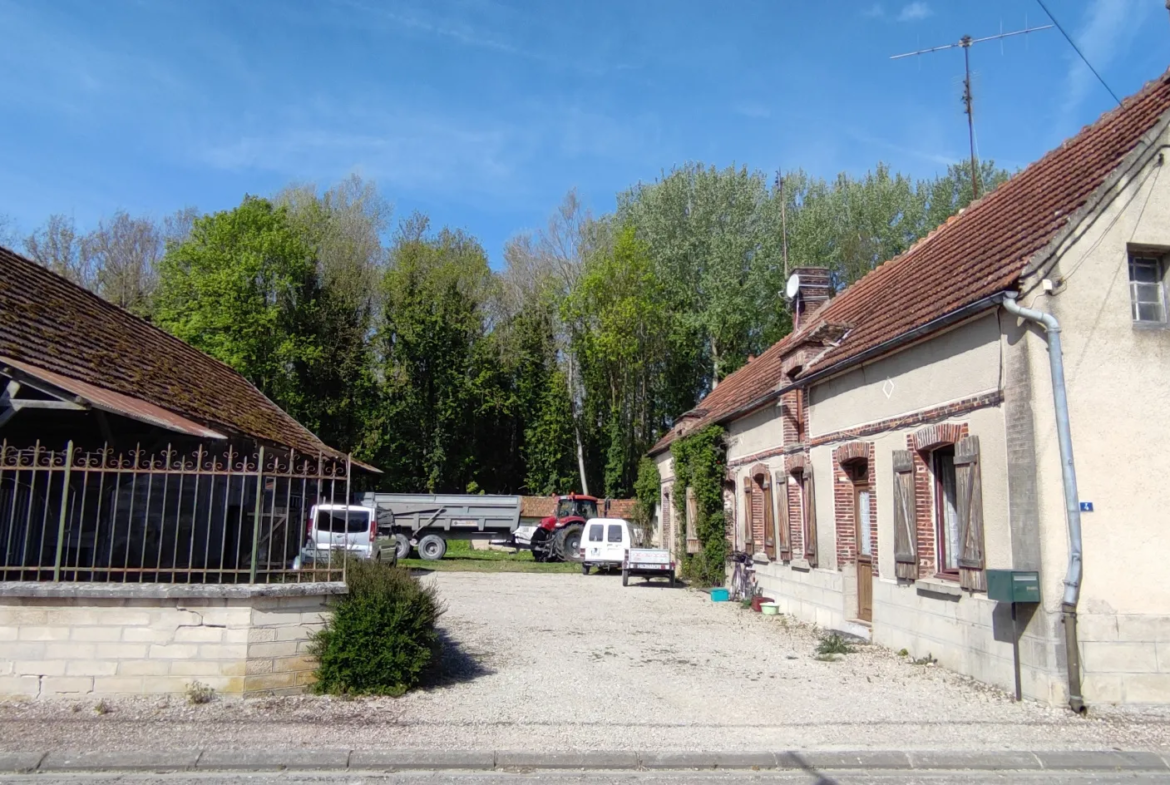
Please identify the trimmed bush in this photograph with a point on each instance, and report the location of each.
(382, 637)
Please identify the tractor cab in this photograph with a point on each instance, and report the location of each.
(574, 506)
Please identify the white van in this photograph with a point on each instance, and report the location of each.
(337, 528)
(604, 543)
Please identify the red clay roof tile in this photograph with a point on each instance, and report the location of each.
(49, 323)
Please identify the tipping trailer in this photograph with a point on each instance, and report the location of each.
(426, 521)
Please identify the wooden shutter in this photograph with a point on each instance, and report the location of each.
(970, 503)
(747, 516)
(692, 521)
(781, 481)
(769, 519)
(810, 517)
(905, 517)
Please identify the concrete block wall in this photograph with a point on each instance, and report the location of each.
(1125, 658)
(814, 596)
(970, 634)
(134, 640)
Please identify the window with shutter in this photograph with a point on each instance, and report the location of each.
(810, 517)
(970, 504)
(785, 541)
(905, 517)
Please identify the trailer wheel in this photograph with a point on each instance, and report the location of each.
(585, 569)
(402, 545)
(432, 547)
(625, 578)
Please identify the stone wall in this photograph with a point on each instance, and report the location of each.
(1125, 658)
(66, 639)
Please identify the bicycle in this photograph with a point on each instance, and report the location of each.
(743, 578)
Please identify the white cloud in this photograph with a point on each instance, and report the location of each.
(875, 11)
(1108, 27)
(914, 12)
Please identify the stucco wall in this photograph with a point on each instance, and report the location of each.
(1118, 381)
(91, 642)
(759, 431)
(958, 364)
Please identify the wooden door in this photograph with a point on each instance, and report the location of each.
(862, 516)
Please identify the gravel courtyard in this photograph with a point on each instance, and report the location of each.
(568, 662)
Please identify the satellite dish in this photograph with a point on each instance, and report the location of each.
(793, 287)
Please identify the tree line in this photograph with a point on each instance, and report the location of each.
(399, 343)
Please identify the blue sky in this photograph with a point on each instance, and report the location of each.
(482, 113)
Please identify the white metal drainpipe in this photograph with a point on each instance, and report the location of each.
(1072, 579)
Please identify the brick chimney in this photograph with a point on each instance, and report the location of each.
(813, 293)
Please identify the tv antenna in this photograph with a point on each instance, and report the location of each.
(965, 44)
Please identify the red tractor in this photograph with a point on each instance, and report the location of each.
(558, 537)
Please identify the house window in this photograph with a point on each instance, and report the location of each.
(946, 511)
(864, 511)
(1147, 289)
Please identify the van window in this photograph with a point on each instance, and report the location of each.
(595, 532)
(615, 532)
(343, 521)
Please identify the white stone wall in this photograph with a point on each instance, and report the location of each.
(97, 646)
(1125, 658)
(810, 595)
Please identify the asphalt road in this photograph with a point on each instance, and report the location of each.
(604, 778)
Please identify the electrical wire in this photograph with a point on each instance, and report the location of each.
(1077, 49)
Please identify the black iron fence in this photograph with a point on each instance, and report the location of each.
(211, 515)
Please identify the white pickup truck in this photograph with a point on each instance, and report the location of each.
(648, 563)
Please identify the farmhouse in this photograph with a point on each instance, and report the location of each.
(151, 502)
(994, 399)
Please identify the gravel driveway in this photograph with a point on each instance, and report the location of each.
(566, 662)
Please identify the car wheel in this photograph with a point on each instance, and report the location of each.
(625, 578)
(584, 569)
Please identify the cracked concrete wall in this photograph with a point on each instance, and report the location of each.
(84, 646)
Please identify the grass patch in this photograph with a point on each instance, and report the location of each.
(831, 645)
(461, 558)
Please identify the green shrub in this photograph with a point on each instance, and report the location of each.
(382, 637)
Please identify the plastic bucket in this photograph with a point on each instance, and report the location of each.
(720, 595)
(769, 608)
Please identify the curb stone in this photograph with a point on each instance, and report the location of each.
(567, 760)
(388, 760)
(431, 760)
(20, 762)
(969, 761)
(1102, 761)
(875, 759)
(269, 760)
(144, 760)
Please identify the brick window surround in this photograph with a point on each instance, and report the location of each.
(922, 443)
(853, 466)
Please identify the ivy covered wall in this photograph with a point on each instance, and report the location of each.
(700, 463)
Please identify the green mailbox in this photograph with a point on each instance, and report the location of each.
(1013, 585)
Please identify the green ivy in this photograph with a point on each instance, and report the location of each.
(700, 463)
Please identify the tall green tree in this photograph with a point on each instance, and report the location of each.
(442, 398)
(244, 289)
